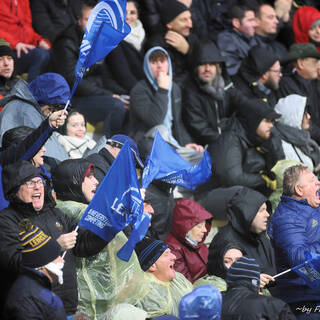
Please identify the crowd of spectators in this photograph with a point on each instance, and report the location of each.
(239, 79)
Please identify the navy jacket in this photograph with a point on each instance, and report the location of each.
(31, 298)
(294, 229)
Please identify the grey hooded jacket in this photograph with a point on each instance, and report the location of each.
(21, 109)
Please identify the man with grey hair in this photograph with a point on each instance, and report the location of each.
(294, 230)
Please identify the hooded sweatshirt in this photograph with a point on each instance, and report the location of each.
(191, 258)
(241, 210)
(296, 142)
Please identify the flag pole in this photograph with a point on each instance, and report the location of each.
(63, 255)
(291, 269)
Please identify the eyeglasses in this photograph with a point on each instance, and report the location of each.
(276, 70)
(31, 184)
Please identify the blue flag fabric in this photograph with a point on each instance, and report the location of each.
(118, 203)
(105, 29)
(310, 270)
(165, 164)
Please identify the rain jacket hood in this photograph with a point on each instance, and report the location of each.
(302, 21)
(188, 213)
(67, 179)
(243, 208)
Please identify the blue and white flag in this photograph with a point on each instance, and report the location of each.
(118, 203)
(310, 270)
(165, 164)
(105, 29)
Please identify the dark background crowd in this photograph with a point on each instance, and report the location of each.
(237, 78)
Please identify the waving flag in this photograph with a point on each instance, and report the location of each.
(165, 164)
(118, 203)
(105, 29)
(308, 270)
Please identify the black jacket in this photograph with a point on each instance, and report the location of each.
(148, 108)
(53, 222)
(237, 161)
(125, 64)
(64, 57)
(51, 17)
(203, 113)
(242, 302)
(31, 298)
(241, 210)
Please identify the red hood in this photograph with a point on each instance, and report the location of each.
(302, 20)
(187, 213)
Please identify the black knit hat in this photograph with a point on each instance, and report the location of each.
(148, 251)
(171, 9)
(5, 49)
(38, 248)
(257, 63)
(244, 269)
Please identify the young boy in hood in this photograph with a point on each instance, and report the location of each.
(156, 104)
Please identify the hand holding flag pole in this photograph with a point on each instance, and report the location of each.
(106, 27)
(308, 270)
(118, 203)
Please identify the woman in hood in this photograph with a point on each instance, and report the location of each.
(293, 126)
(306, 26)
(189, 229)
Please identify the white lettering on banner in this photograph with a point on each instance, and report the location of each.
(98, 219)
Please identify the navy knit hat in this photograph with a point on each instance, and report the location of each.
(245, 269)
(170, 9)
(38, 248)
(119, 140)
(148, 251)
(50, 88)
(5, 49)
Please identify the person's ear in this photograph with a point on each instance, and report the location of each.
(299, 64)
(298, 190)
(236, 23)
(153, 268)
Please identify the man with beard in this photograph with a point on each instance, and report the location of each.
(207, 97)
(259, 75)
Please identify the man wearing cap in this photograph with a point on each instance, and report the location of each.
(164, 287)
(301, 63)
(108, 150)
(30, 296)
(7, 80)
(176, 38)
(259, 75)
(207, 97)
(245, 153)
(29, 105)
(234, 43)
(25, 188)
(242, 299)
